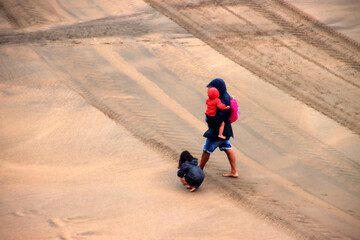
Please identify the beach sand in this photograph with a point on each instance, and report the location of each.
(99, 98)
(70, 172)
(341, 15)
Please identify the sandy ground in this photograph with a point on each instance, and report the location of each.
(69, 172)
(341, 15)
(98, 99)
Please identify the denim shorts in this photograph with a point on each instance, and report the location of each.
(211, 145)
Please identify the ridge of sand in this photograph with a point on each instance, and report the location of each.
(72, 172)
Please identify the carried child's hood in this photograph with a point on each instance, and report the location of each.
(213, 93)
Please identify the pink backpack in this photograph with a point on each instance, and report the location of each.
(234, 110)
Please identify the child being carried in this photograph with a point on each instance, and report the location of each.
(212, 103)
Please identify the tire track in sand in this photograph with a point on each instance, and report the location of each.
(137, 115)
(312, 87)
(146, 131)
(274, 129)
(23, 13)
(148, 126)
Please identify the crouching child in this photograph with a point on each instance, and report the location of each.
(189, 172)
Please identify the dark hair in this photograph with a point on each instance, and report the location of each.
(185, 156)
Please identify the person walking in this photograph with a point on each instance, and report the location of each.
(212, 140)
(213, 103)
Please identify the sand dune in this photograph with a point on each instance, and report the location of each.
(98, 99)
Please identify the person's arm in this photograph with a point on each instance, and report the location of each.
(183, 170)
(221, 106)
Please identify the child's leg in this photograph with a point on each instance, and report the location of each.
(183, 181)
(191, 188)
(187, 185)
(221, 130)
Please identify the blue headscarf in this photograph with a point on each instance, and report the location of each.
(220, 85)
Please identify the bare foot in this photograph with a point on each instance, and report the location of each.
(192, 189)
(231, 175)
(222, 136)
(183, 181)
(188, 186)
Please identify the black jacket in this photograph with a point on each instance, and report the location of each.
(193, 174)
(213, 131)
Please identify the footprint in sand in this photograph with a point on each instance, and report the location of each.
(68, 236)
(65, 236)
(19, 214)
(25, 213)
(76, 219)
(56, 222)
(62, 223)
(88, 233)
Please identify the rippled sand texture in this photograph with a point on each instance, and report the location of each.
(98, 99)
(341, 15)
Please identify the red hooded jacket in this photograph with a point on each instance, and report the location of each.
(213, 102)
